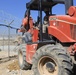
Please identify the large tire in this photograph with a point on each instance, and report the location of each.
(52, 60)
(22, 58)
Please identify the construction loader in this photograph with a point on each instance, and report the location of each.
(49, 44)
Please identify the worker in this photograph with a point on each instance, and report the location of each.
(45, 20)
(24, 29)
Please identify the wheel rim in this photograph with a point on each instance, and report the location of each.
(20, 58)
(47, 66)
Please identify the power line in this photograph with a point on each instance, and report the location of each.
(6, 18)
(9, 26)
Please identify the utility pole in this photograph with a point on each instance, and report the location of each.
(3, 38)
(9, 38)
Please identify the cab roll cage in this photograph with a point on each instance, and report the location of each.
(40, 6)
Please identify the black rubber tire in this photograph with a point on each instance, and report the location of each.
(22, 54)
(61, 56)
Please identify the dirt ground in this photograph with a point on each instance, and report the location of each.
(10, 66)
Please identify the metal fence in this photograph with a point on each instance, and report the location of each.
(8, 27)
(9, 44)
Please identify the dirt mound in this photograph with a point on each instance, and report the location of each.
(13, 66)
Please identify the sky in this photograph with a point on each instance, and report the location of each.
(17, 8)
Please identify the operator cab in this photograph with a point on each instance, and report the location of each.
(42, 5)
